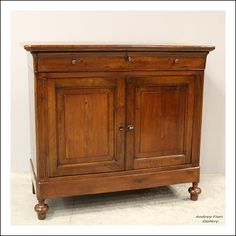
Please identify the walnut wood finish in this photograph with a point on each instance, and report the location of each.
(108, 118)
(117, 61)
(124, 47)
(41, 208)
(84, 116)
(161, 107)
(194, 191)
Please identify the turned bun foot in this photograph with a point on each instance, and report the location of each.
(194, 192)
(41, 209)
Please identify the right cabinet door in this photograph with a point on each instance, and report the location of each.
(159, 121)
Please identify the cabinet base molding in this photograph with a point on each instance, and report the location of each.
(114, 182)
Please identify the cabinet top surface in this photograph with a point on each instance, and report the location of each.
(117, 47)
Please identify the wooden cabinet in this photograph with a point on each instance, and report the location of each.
(108, 118)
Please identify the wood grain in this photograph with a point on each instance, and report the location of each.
(84, 117)
(121, 47)
(161, 109)
(115, 183)
(84, 133)
(117, 61)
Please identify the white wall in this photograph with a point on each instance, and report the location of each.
(197, 28)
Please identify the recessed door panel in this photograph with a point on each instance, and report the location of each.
(159, 117)
(160, 109)
(86, 116)
(86, 121)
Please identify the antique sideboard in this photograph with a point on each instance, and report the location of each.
(108, 118)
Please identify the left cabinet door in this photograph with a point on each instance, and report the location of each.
(85, 125)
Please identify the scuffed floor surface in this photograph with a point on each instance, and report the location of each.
(159, 206)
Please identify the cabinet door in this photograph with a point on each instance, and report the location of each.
(84, 119)
(159, 121)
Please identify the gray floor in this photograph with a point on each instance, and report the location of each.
(164, 205)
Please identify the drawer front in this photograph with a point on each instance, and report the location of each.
(80, 61)
(57, 62)
(163, 61)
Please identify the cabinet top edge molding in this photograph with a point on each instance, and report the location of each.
(117, 47)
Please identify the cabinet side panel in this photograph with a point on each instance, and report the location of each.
(31, 83)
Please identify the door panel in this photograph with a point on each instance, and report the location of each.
(160, 108)
(84, 115)
(84, 118)
(158, 118)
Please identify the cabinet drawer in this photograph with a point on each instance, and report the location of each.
(80, 61)
(163, 61)
(132, 61)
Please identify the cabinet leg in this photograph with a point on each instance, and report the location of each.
(194, 191)
(41, 209)
(33, 189)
